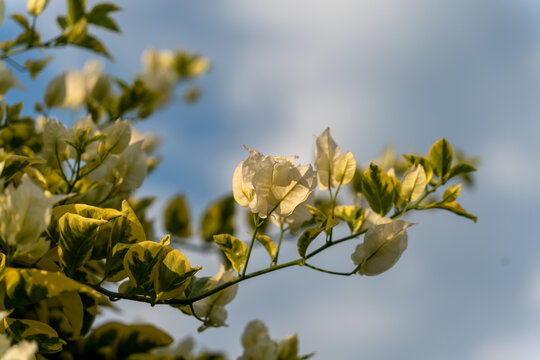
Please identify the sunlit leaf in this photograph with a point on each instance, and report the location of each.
(172, 275)
(235, 250)
(440, 157)
(306, 238)
(30, 330)
(378, 189)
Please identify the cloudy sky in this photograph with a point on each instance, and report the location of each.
(376, 72)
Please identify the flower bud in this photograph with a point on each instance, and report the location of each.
(36, 7)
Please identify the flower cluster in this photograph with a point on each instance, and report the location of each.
(272, 185)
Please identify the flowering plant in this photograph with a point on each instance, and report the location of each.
(74, 236)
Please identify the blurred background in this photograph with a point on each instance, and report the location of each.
(397, 72)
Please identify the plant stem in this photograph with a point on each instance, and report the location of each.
(281, 232)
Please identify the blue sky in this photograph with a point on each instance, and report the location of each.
(388, 72)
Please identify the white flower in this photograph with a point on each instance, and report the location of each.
(300, 215)
(126, 170)
(24, 350)
(382, 247)
(159, 73)
(257, 343)
(212, 308)
(72, 88)
(25, 212)
(333, 167)
(272, 185)
(36, 7)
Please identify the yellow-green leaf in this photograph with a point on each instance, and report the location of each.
(177, 219)
(452, 193)
(268, 244)
(172, 275)
(218, 219)
(461, 168)
(352, 216)
(21, 287)
(413, 184)
(73, 308)
(30, 330)
(454, 207)
(235, 250)
(77, 239)
(141, 260)
(35, 66)
(440, 157)
(378, 189)
(115, 340)
(306, 238)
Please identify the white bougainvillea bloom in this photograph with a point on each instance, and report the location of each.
(126, 170)
(382, 247)
(25, 212)
(25, 350)
(299, 216)
(272, 185)
(36, 7)
(159, 74)
(72, 88)
(333, 167)
(257, 343)
(212, 308)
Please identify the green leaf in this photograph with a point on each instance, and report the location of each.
(114, 267)
(35, 66)
(306, 238)
(76, 10)
(235, 250)
(30, 330)
(172, 275)
(21, 20)
(461, 168)
(419, 160)
(378, 189)
(21, 287)
(268, 244)
(454, 207)
(62, 22)
(414, 183)
(99, 15)
(73, 309)
(140, 263)
(86, 211)
(77, 33)
(440, 157)
(91, 43)
(352, 216)
(14, 164)
(218, 219)
(77, 239)
(318, 215)
(115, 340)
(177, 219)
(452, 193)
